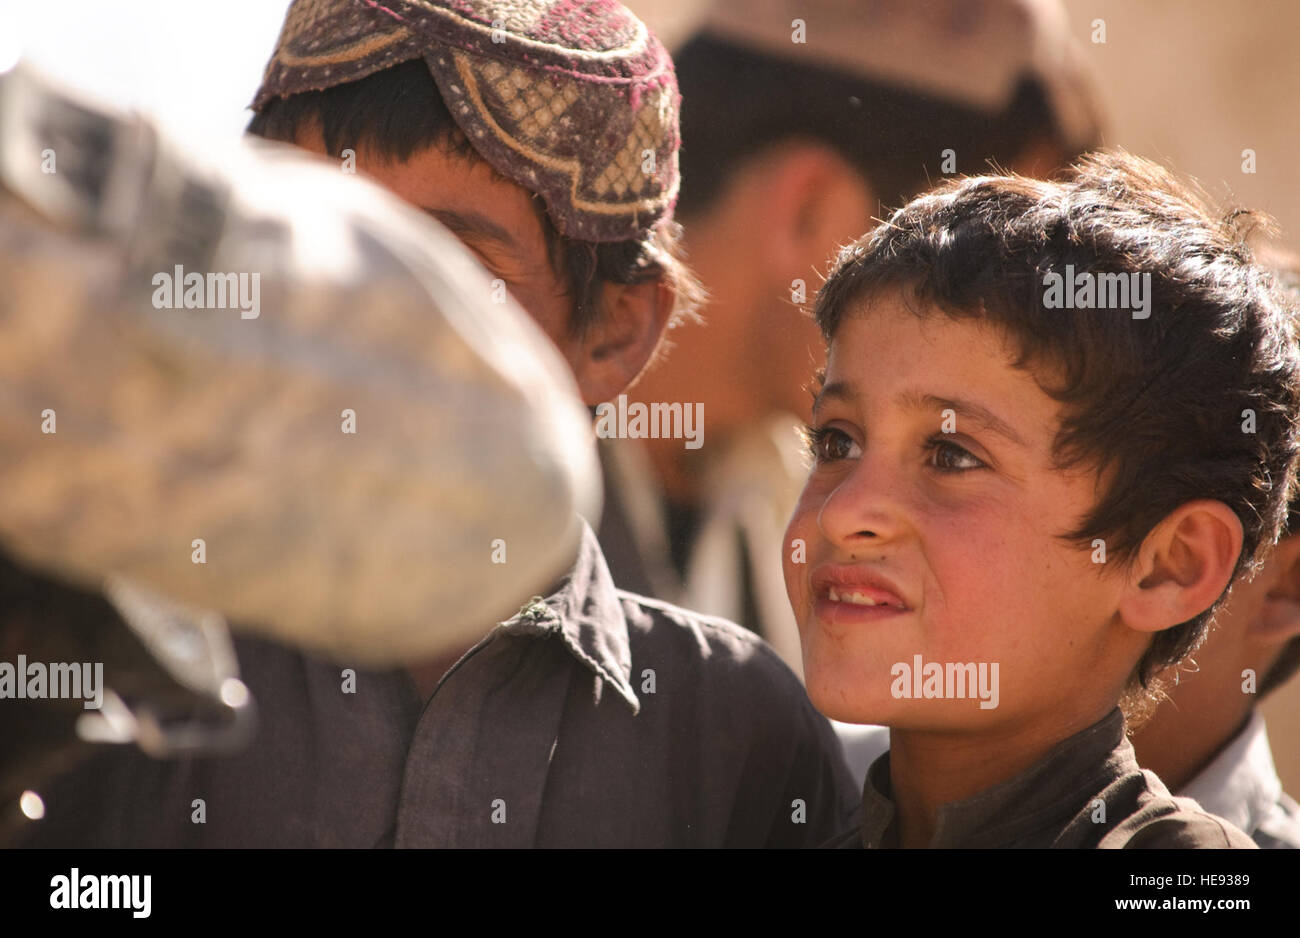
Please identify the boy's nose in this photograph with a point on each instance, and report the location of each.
(865, 509)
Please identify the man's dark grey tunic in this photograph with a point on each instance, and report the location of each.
(595, 718)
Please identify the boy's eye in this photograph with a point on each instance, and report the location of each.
(949, 457)
(827, 444)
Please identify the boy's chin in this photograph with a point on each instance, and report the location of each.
(846, 698)
(848, 686)
(843, 699)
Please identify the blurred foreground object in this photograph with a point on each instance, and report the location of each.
(141, 671)
(341, 455)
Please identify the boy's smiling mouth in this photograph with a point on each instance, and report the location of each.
(845, 594)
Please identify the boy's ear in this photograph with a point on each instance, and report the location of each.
(1279, 616)
(618, 345)
(1183, 566)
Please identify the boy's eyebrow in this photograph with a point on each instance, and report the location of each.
(474, 225)
(965, 409)
(915, 400)
(836, 391)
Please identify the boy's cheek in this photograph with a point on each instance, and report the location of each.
(802, 541)
(1014, 610)
(794, 552)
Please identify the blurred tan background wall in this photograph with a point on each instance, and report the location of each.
(1191, 83)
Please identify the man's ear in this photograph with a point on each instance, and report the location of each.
(1279, 615)
(812, 201)
(618, 345)
(1182, 567)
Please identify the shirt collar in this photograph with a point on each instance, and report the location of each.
(585, 610)
(1241, 783)
(1030, 809)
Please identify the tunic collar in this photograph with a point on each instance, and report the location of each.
(585, 610)
(1028, 810)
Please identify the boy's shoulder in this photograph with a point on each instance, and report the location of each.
(732, 679)
(715, 649)
(633, 640)
(697, 668)
(722, 693)
(1089, 792)
(1156, 819)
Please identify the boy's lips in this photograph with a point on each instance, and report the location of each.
(846, 594)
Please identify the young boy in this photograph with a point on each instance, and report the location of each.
(1055, 424)
(780, 167)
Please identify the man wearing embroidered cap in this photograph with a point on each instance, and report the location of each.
(543, 134)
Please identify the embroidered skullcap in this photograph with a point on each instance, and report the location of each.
(572, 99)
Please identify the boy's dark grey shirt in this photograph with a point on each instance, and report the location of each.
(596, 718)
(1088, 791)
